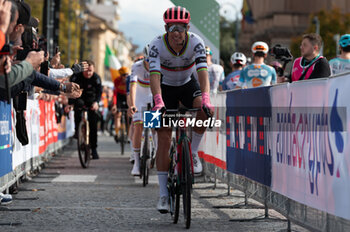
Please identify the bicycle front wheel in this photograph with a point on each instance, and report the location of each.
(83, 146)
(122, 139)
(186, 184)
(173, 187)
(144, 159)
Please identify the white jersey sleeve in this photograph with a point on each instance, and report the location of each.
(60, 73)
(215, 72)
(154, 56)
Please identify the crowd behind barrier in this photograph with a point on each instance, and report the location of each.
(45, 135)
(287, 146)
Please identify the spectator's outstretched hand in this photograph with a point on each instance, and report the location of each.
(5, 15)
(56, 60)
(74, 94)
(5, 65)
(81, 67)
(71, 87)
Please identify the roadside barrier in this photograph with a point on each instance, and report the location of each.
(45, 136)
(288, 147)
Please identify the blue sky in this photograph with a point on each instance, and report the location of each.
(142, 20)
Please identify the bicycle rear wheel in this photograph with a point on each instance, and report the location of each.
(186, 182)
(83, 147)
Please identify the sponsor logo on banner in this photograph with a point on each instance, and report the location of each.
(303, 139)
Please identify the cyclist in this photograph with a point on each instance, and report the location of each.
(90, 82)
(257, 74)
(215, 71)
(120, 98)
(342, 63)
(140, 96)
(238, 61)
(174, 57)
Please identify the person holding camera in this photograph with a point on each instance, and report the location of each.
(258, 73)
(25, 68)
(311, 64)
(341, 64)
(238, 61)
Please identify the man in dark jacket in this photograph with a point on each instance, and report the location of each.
(90, 83)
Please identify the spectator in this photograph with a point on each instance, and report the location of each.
(238, 61)
(215, 71)
(20, 71)
(258, 73)
(311, 64)
(341, 64)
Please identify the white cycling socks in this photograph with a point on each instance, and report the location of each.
(196, 140)
(137, 156)
(163, 180)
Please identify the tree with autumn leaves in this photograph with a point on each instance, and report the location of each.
(332, 22)
(75, 25)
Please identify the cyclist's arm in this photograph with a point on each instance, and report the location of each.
(154, 69)
(155, 83)
(274, 77)
(132, 94)
(132, 85)
(203, 80)
(201, 65)
(98, 88)
(241, 80)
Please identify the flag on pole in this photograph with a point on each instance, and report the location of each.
(112, 63)
(247, 13)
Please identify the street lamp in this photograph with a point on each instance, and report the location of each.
(316, 21)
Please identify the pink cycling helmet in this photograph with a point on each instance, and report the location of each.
(177, 14)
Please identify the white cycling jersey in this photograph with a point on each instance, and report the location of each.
(140, 75)
(176, 68)
(216, 72)
(339, 65)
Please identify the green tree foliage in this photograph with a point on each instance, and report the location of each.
(75, 27)
(227, 42)
(332, 22)
(37, 10)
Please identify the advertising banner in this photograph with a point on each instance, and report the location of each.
(5, 139)
(310, 143)
(213, 144)
(23, 153)
(248, 114)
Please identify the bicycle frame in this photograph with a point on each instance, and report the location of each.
(181, 137)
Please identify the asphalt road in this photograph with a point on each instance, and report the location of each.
(105, 197)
